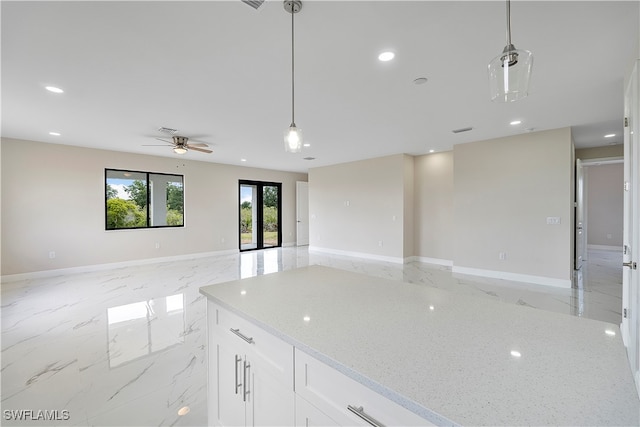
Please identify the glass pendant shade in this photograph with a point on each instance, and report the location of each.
(293, 139)
(509, 74)
(179, 150)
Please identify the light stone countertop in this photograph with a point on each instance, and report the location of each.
(445, 356)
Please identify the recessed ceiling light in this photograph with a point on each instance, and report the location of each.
(184, 410)
(54, 133)
(610, 333)
(243, 160)
(54, 89)
(611, 135)
(420, 81)
(432, 151)
(515, 122)
(386, 56)
(306, 144)
(515, 353)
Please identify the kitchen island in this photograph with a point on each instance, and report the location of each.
(431, 356)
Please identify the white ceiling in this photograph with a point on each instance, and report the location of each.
(220, 71)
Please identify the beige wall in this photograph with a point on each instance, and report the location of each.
(504, 190)
(408, 218)
(53, 200)
(605, 198)
(434, 207)
(600, 152)
(468, 205)
(359, 208)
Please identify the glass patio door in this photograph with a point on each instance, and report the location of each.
(260, 215)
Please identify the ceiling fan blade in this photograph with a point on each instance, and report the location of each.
(198, 144)
(156, 145)
(202, 150)
(164, 140)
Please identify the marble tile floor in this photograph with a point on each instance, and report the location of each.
(127, 346)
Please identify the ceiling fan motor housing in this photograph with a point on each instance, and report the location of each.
(180, 140)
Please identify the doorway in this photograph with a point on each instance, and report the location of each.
(260, 215)
(302, 213)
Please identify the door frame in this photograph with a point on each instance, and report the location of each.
(630, 325)
(258, 213)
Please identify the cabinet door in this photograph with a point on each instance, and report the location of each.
(308, 415)
(271, 401)
(230, 404)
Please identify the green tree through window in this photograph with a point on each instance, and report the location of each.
(143, 199)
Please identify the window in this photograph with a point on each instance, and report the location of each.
(143, 200)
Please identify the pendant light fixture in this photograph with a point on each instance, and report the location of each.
(510, 72)
(293, 135)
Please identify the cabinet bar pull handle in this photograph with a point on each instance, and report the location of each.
(245, 392)
(244, 337)
(359, 411)
(238, 359)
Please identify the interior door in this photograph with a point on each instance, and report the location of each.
(630, 326)
(580, 244)
(302, 213)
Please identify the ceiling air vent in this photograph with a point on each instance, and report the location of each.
(462, 130)
(168, 130)
(253, 3)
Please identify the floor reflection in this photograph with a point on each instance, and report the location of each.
(257, 263)
(138, 329)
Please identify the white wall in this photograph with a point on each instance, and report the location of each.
(434, 207)
(605, 197)
(53, 200)
(355, 206)
(468, 205)
(504, 190)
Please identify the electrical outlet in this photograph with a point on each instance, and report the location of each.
(380, 243)
(52, 254)
(157, 245)
(502, 256)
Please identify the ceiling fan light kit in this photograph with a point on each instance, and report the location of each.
(292, 135)
(510, 72)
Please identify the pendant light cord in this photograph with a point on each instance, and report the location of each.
(293, 114)
(508, 22)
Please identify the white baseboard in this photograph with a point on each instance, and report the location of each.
(436, 261)
(101, 267)
(605, 248)
(357, 255)
(516, 277)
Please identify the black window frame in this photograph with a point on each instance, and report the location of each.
(147, 175)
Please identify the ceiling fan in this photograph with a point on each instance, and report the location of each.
(181, 145)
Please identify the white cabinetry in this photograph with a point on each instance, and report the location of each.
(250, 373)
(343, 400)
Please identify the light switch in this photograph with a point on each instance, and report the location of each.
(553, 220)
